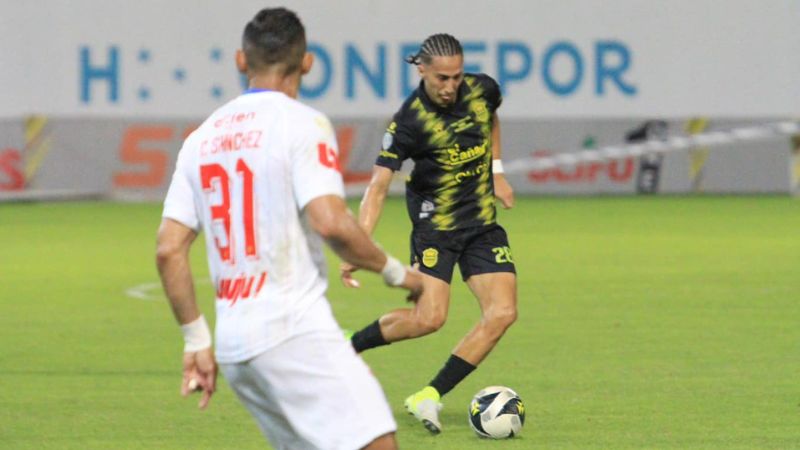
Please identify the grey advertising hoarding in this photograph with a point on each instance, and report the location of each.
(133, 159)
(12, 155)
(739, 167)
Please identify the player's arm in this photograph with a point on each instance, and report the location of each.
(371, 206)
(369, 213)
(328, 215)
(502, 189)
(172, 259)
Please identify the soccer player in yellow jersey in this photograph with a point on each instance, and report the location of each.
(450, 129)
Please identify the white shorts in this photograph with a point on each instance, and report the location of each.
(313, 392)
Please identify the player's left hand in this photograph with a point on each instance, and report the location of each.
(199, 375)
(346, 272)
(503, 191)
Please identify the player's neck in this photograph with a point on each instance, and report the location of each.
(289, 84)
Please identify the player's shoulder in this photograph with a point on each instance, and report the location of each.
(483, 86)
(302, 110)
(306, 119)
(480, 79)
(197, 135)
(265, 101)
(275, 107)
(219, 118)
(407, 113)
(205, 127)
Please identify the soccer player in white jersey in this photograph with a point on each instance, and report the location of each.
(260, 177)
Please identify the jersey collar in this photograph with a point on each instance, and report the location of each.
(255, 91)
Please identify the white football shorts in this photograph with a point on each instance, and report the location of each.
(313, 392)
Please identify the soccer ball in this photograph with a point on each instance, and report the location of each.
(496, 412)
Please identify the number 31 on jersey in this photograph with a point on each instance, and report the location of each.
(214, 178)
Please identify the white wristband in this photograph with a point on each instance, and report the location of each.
(497, 166)
(196, 335)
(394, 272)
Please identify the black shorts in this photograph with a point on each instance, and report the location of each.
(476, 250)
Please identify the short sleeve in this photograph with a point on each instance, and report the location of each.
(180, 203)
(315, 161)
(492, 91)
(397, 144)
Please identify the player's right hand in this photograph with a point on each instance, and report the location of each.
(346, 271)
(199, 368)
(503, 191)
(413, 282)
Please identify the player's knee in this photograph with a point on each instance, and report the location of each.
(500, 319)
(430, 323)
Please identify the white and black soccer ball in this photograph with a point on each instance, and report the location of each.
(496, 412)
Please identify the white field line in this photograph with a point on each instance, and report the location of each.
(152, 291)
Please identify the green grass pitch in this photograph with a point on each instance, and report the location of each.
(645, 323)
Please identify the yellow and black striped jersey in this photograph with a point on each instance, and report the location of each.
(451, 185)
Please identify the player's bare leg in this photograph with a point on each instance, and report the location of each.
(497, 296)
(385, 442)
(428, 315)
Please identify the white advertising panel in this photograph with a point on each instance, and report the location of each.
(553, 58)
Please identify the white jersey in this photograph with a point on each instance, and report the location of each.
(244, 177)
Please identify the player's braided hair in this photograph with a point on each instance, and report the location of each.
(441, 44)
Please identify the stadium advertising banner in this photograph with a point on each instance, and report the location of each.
(99, 95)
(134, 159)
(553, 58)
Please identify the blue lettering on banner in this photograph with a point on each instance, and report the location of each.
(604, 71)
(377, 78)
(472, 47)
(322, 59)
(407, 84)
(571, 51)
(92, 73)
(364, 72)
(505, 74)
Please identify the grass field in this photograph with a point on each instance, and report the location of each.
(645, 323)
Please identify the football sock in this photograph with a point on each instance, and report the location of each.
(454, 370)
(369, 337)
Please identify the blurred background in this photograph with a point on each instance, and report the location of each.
(645, 320)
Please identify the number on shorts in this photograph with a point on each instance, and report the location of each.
(502, 255)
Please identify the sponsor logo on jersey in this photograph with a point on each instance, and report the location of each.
(481, 168)
(426, 210)
(462, 124)
(458, 156)
(480, 111)
(242, 288)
